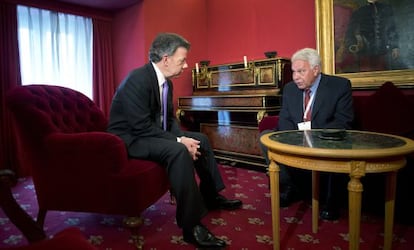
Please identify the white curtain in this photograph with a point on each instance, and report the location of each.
(55, 48)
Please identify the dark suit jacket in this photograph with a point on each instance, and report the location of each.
(136, 109)
(332, 107)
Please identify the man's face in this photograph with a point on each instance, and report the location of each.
(303, 75)
(175, 63)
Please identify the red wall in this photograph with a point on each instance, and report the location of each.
(185, 17)
(238, 28)
(128, 43)
(219, 31)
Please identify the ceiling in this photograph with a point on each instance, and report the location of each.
(109, 5)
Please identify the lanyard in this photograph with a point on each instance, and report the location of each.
(308, 138)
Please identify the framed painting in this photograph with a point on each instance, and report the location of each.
(367, 41)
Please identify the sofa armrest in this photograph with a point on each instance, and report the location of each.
(268, 123)
(89, 151)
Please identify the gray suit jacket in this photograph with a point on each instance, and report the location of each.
(332, 107)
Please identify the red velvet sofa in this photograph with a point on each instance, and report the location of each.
(386, 110)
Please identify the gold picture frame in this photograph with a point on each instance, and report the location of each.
(326, 47)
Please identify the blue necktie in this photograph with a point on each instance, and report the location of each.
(164, 104)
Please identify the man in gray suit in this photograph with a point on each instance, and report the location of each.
(137, 117)
(329, 106)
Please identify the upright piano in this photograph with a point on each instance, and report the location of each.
(228, 103)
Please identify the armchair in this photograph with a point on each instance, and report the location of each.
(75, 164)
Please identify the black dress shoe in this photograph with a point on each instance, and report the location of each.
(202, 237)
(329, 214)
(288, 196)
(221, 202)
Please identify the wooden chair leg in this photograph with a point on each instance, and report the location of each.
(16, 214)
(133, 223)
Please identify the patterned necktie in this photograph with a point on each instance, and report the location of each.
(306, 101)
(164, 104)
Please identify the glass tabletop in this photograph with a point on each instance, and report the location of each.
(348, 139)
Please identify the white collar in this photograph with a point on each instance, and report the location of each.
(160, 76)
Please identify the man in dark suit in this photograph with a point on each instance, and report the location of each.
(137, 116)
(329, 106)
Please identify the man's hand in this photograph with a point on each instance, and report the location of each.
(192, 146)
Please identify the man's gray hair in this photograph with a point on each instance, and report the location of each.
(309, 55)
(166, 44)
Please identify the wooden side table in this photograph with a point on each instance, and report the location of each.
(358, 153)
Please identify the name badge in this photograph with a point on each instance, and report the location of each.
(304, 125)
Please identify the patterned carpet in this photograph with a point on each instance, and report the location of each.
(244, 229)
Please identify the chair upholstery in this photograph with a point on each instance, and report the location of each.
(75, 164)
(268, 123)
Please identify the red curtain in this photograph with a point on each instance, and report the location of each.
(103, 76)
(9, 78)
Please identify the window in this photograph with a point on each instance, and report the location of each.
(55, 48)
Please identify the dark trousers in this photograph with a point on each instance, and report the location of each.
(181, 173)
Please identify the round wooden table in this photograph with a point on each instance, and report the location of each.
(356, 153)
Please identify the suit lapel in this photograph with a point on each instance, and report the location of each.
(320, 93)
(299, 105)
(154, 83)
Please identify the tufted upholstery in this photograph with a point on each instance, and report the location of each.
(76, 165)
(61, 109)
